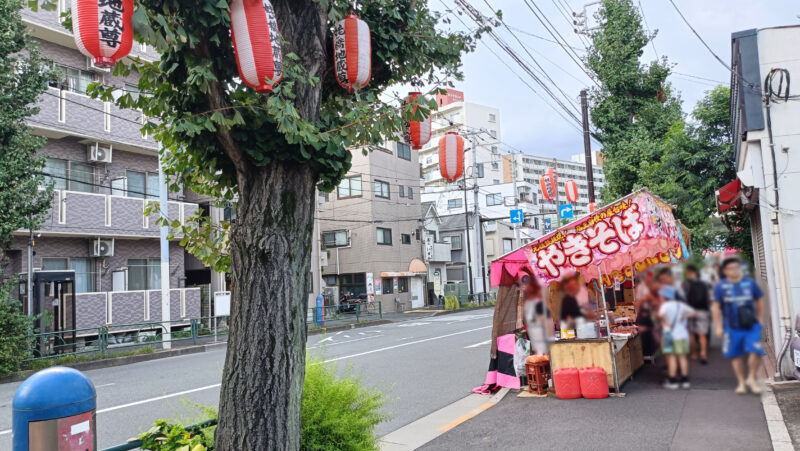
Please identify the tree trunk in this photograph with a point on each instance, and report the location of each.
(265, 365)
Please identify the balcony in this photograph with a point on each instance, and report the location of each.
(438, 252)
(89, 214)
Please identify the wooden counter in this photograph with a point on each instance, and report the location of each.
(581, 353)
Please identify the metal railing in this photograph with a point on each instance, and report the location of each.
(136, 444)
(320, 316)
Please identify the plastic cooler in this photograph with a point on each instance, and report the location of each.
(593, 383)
(567, 382)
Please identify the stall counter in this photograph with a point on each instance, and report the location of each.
(588, 352)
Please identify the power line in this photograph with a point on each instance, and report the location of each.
(647, 27)
(520, 30)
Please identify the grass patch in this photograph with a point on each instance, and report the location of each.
(72, 359)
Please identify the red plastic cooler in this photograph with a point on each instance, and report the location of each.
(593, 383)
(567, 382)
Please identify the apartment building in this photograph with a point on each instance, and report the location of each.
(455, 114)
(105, 173)
(371, 230)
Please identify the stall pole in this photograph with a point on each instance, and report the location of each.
(633, 281)
(608, 334)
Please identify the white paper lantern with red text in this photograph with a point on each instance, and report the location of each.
(571, 190)
(352, 53)
(256, 42)
(417, 133)
(102, 29)
(451, 156)
(548, 184)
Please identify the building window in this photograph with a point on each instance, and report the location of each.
(56, 173)
(405, 238)
(66, 175)
(479, 166)
(508, 245)
(401, 190)
(388, 285)
(73, 80)
(454, 203)
(142, 185)
(144, 273)
(493, 133)
(381, 189)
(454, 240)
(384, 236)
(335, 238)
(402, 284)
(492, 117)
(410, 193)
(349, 187)
(494, 199)
(330, 281)
(494, 149)
(352, 284)
(404, 151)
(495, 182)
(495, 165)
(84, 274)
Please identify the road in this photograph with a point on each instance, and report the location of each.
(421, 365)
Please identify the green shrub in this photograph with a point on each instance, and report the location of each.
(15, 330)
(166, 436)
(451, 303)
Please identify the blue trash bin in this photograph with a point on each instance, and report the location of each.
(55, 410)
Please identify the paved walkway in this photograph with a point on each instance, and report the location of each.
(710, 416)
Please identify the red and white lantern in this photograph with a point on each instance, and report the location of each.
(571, 189)
(592, 207)
(451, 156)
(548, 184)
(102, 29)
(352, 53)
(256, 43)
(417, 133)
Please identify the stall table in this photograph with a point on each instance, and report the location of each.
(588, 352)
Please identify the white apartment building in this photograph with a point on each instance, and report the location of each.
(455, 114)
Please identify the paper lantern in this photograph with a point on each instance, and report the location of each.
(256, 43)
(417, 133)
(451, 156)
(592, 207)
(102, 29)
(571, 190)
(548, 184)
(352, 53)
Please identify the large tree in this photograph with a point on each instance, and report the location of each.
(270, 152)
(632, 109)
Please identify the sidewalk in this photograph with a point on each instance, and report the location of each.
(710, 416)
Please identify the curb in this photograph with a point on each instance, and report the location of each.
(778, 433)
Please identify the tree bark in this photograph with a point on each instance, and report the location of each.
(265, 364)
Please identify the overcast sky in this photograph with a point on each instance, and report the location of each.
(532, 126)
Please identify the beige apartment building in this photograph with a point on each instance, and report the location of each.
(370, 230)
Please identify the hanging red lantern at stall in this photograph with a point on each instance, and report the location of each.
(352, 53)
(592, 207)
(451, 156)
(417, 133)
(102, 30)
(571, 190)
(548, 184)
(256, 43)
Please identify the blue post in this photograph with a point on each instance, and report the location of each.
(54, 409)
(319, 311)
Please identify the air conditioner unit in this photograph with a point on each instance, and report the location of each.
(90, 66)
(98, 153)
(102, 248)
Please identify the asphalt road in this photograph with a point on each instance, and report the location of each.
(421, 365)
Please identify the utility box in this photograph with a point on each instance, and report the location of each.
(54, 410)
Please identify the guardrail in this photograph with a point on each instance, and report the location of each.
(318, 316)
(136, 444)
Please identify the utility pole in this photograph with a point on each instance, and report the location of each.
(587, 146)
(558, 199)
(466, 235)
(477, 220)
(29, 282)
(516, 197)
(163, 207)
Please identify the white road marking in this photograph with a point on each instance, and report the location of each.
(405, 344)
(343, 342)
(478, 344)
(347, 336)
(158, 398)
(412, 324)
(105, 385)
(361, 333)
(7, 431)
(325, 339)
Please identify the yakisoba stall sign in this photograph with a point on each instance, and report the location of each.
(637, 228)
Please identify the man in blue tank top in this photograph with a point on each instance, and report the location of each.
(738, 313)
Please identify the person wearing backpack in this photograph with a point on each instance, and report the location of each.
(698, 297)
(674, 315)
(738, 313)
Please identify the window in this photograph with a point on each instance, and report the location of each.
(144, 273)
(388, 285)
(493, 133)
(142, 185)
(66, 175)
(479, 166)
(494, 199)
(454, 203)
(336, 238)
(381, 189)
(324, 197)
(330, 281)
(55, 264)
(492, 117)
(133, 90)
(405, 238)
(508, 245)
(454, 240)
(401, 190)
(384, 236)
(536, 223)
(81, 177)
(495, 165)
(349, 187)
(56, 173)
(494, 149)
(410, 193)
(495, 182)
(404, 151)
(84, 274)
(402, 284)
(73, 80)
(352, 284)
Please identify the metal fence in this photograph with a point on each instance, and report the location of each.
(320, 316)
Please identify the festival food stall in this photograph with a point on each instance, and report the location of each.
(605, 248)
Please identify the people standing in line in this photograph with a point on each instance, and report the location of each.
(698, 298)
(674, 315)
(738, 314)
(538, 321)
(647, 305)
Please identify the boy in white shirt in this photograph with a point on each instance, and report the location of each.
(674, 315)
